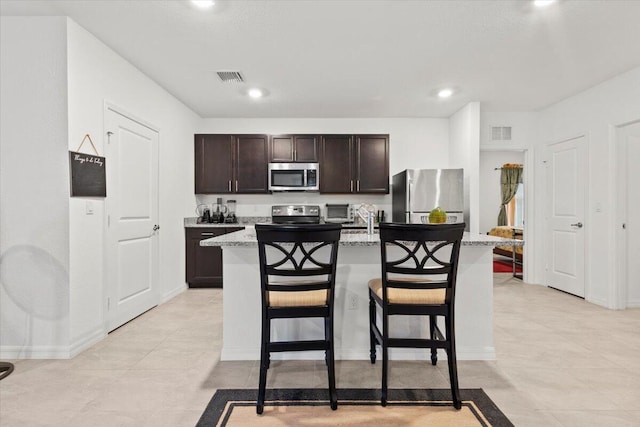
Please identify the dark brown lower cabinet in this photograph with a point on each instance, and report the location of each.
(204, 263)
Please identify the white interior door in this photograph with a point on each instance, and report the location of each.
(132, 218)
(628, 224)
(566, 197)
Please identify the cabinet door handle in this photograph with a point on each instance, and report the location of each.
(351, 187)
(206, 234)
(236, 185)
(358, 186)
(229, 186)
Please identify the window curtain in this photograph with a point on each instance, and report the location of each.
(510, 177)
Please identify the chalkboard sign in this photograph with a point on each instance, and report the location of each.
(88, 176)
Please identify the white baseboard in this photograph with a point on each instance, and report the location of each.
(485, 353)
(172, 293)
(488, 353)
(598, 301)
(52, 351)
(634, 303)
(34, 352)
(239, 354)
(86, 341)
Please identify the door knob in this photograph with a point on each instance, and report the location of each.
(156, 227)
(578, 224)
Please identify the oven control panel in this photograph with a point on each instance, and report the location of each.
(295, 210)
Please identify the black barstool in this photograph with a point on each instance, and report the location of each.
(419, 268)
(297, 277)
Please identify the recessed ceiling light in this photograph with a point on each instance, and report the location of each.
(542, 3)
(445, 93)
(203, 4)
(255, 93)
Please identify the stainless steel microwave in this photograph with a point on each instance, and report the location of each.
(293, 177)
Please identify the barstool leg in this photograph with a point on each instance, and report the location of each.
(385, 357)
(372, 322)
(331, 370)
(264, 364)
(453, 366)
(432, 329)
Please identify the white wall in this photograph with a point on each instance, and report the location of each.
(490, 192)
(524, 130)
(414, 143)
(464, 149)
(98, 75)
(594, 113)
(34, 187)
(56, 78)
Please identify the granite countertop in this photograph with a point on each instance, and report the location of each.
(247, 238)
(192, 222)
(243, 221)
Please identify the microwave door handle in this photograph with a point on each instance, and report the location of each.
(305, 178)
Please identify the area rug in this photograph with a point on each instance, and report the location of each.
(356, 408)
(505, 267)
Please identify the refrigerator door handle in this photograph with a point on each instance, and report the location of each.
(409, 200)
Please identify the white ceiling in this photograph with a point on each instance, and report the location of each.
(331, 58)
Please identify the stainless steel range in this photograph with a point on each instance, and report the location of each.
(295, 214)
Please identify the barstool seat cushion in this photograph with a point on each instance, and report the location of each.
(297, 298)
(409, 296)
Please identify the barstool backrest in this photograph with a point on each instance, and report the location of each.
(297, 251)
(420, 256)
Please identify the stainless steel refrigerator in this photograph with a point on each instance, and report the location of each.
(415, 192)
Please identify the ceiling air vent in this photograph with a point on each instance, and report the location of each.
(501, 133)
(230, 76)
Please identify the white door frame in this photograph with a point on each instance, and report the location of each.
(618, 256)
(108, 105)
(528, 274)
(587, 212)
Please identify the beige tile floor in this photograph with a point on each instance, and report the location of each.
(561, 362)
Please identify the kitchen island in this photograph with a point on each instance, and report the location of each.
(358, 261)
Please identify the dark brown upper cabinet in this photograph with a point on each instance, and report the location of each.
(336, 164)
(372, 163)
(231, 164)
(214, 164)
(354, 164)
(252, 163)
(294, 148)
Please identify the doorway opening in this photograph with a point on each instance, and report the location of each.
(518, 210)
